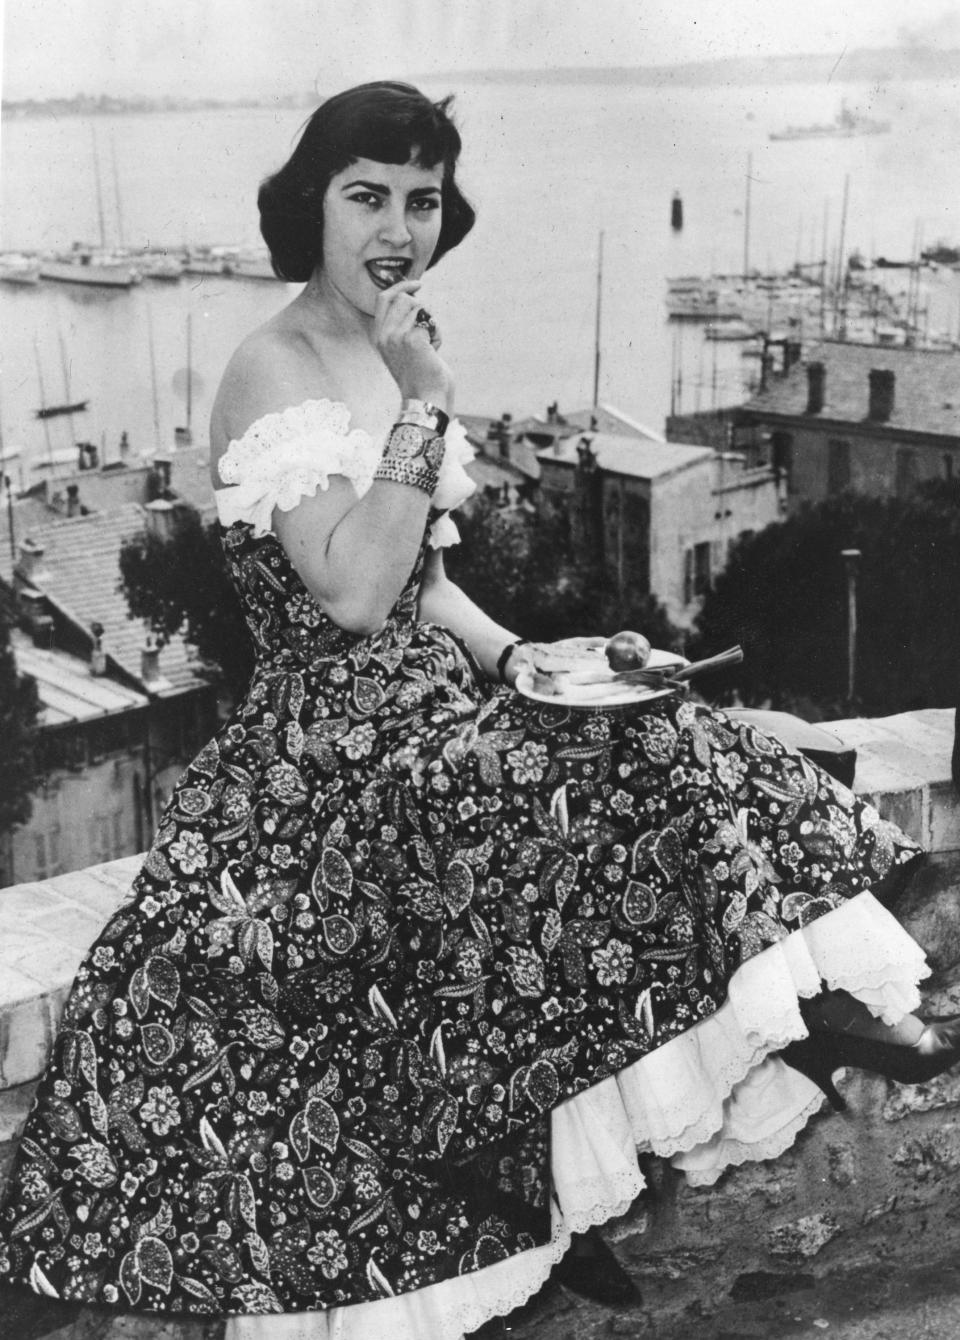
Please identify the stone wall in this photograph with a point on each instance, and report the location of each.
(886, 1168)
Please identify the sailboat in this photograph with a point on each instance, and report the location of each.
(85, 264)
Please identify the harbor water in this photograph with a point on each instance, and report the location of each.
(548, 165)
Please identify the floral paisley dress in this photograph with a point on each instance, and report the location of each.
(416, 966)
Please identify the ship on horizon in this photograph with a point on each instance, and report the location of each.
(845, 125)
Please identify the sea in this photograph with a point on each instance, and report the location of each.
(552, 167)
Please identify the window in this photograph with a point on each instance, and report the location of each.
(838, 466)
(107, 837)
(906, 472)
(781, 448)
(696, 571)
(47, 852)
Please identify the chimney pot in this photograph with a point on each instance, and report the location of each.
(31, 558)
(160, 517)
(882, 387)
(149, 663)
(816, 387)
(41, 629)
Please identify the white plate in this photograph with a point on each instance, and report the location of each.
(586, 695)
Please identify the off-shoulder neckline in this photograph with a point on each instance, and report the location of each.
(276, 416)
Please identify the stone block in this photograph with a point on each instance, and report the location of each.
(28, 1025)
(932, 1152)
(906, 1099)
(803, 1238)
(943, 822)
(904, 806)
(929, 908)
(14, 1106)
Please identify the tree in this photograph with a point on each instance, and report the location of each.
(518, 568)
(181, 584)
(783, 597)
(515, 568)
(19, 709)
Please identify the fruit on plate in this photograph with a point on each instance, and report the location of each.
(627, 651)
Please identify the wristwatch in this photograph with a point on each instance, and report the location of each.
(410, 442)
(424, 415)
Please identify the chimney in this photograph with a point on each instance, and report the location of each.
(98, 657)
(73, 500)
(816, 387)
(41, 630)
(149, 662)
(161, 515)
(882, 383)
(30, 562)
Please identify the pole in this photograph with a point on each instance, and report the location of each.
(8, 486)
(596, 335)
(43, 401)
(153, 379)
(189, 374)
(99, 185)
(840, 311)
(851, 565)
(746, 219)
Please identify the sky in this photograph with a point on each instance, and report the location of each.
(263, 48)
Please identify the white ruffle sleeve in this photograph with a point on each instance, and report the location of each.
(288, 455)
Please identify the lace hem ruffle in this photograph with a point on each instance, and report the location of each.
(288, 455)
(711, 1098)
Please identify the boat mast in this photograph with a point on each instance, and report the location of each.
(840, 308)
(189, 375)
(8, 485)
(596, 334)
(99, 186)
(116, 191)
(746, 219)
(64, 363)
(43, 401)
(153, 379)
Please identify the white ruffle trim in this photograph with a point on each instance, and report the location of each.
(288, 455)
(708, 1099)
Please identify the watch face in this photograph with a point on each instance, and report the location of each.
(407, 440)
(433, 451)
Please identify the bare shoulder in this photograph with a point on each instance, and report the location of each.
(267, 373)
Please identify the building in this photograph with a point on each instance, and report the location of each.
(120, 717)
(506, 468)
(869, 419)
(659, 516)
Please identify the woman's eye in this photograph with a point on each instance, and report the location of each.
(426, 204)
(366, 198)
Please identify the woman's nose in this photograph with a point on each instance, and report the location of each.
(394, 228)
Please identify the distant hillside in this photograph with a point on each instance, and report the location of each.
(862, 65)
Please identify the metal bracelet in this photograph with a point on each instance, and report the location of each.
(425, 415)
(417, 473)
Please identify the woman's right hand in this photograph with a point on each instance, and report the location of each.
(405, 347)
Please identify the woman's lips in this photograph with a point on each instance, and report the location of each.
(388, 270)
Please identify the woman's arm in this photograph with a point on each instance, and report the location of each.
(442, 602)
(355, 555)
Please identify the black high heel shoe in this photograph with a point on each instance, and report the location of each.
(591, 1270)
(824, 1051)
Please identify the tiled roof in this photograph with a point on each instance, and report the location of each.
(926, 395)
(29, 515)
(80, 575)
(636, 457)
(67, 689)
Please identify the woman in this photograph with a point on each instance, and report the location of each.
(416, 964)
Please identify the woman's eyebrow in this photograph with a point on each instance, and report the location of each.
(369, 185)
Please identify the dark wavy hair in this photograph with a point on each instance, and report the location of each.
(385, 121)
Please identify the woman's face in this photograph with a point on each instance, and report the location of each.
(381, 222)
